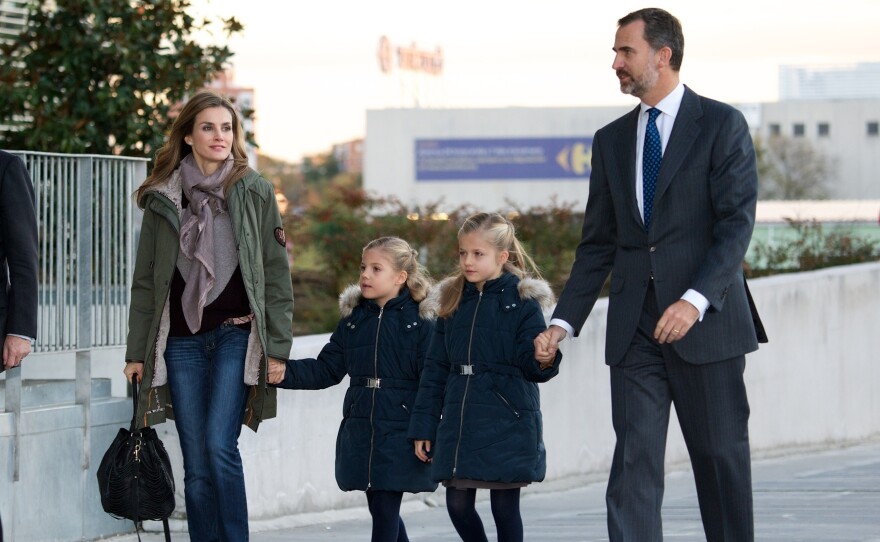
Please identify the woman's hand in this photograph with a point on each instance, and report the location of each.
(134, 368)
(423, 450)
(277, 368)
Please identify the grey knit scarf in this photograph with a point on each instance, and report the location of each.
(206, 201)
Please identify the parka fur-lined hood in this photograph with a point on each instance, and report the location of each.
(351, 298)
(528, 288)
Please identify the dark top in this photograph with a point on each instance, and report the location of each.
(231, 303)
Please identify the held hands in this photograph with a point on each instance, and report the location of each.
(277, 368)
(547, 344)
(676, 321)
(423, 450)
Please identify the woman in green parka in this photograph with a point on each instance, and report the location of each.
(211, 303)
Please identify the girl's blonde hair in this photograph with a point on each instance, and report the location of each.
(501, 234)
(404, 258)
(175, 149)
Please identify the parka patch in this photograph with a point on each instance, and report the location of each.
(280, 237)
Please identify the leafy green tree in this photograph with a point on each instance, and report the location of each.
(102, 76)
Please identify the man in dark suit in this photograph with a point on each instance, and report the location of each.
(670, 213)
(18, 261)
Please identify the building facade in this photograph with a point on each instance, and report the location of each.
(498, 158)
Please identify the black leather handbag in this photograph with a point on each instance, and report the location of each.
(135, 477)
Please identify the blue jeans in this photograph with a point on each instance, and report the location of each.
(208, 394)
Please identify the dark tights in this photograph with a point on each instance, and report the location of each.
(460, 503)
(385, 509)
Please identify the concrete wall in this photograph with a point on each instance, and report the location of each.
(816, 383)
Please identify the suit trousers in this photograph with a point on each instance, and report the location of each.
(713, 412)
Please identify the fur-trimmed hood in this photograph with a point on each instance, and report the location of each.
(351, 297)
(528, 288)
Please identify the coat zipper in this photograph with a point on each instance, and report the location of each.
(510, 406)
(466, 386)
(373, 406)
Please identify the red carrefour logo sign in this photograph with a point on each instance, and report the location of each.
(409, 58)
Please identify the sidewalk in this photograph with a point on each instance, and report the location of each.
(815, 496)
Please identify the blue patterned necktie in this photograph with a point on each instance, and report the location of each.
(651, 157)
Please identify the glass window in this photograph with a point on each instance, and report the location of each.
(824, 129)
(798, 129)
(775, 129)
(873, 128)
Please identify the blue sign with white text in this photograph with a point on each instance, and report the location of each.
(503, 159)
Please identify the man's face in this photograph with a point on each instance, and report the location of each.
(634, 61)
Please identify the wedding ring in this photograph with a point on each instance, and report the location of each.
(675, 331)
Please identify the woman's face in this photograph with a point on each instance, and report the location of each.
(478, 259)
(379, 280)
(211, 138)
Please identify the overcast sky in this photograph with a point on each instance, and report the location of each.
(314, 67)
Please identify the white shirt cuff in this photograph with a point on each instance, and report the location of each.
(698, 300)
(564, 325)
(31, 339)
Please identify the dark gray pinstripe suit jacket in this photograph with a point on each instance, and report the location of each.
(18, 250)
(704, 212)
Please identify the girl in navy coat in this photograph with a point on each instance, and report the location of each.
(380, 343)
(477, 417)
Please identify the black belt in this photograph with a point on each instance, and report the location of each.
(468, 369)
(369, 382)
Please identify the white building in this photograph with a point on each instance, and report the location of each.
(12, 18)
(832, 82)
(488, 157)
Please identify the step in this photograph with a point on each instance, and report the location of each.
(44, 393)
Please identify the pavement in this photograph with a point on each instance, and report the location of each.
(829, 494)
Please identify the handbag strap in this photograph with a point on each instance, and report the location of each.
(137, 530)
(134, 400)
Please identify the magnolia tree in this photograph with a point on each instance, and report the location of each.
(101, 76)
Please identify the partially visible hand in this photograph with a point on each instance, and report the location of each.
(14, 350)
(423, 449)
(546, 345)
(676, 321)
(134, 368)
(277, 368)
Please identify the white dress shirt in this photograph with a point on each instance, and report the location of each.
(668, 107)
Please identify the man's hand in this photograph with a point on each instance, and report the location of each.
(675, 322)
(277, 368)
(14, 350)
(547, 344)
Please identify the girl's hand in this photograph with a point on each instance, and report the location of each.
(277, 368)
(423, 450)
(134, 368)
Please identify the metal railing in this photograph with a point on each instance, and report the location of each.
(85, 226)
(85, 230)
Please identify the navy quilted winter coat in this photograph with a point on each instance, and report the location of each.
(372, 344)
(478, 400)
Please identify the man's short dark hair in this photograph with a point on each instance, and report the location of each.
(662, 29)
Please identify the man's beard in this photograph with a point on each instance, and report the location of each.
(639, 86)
